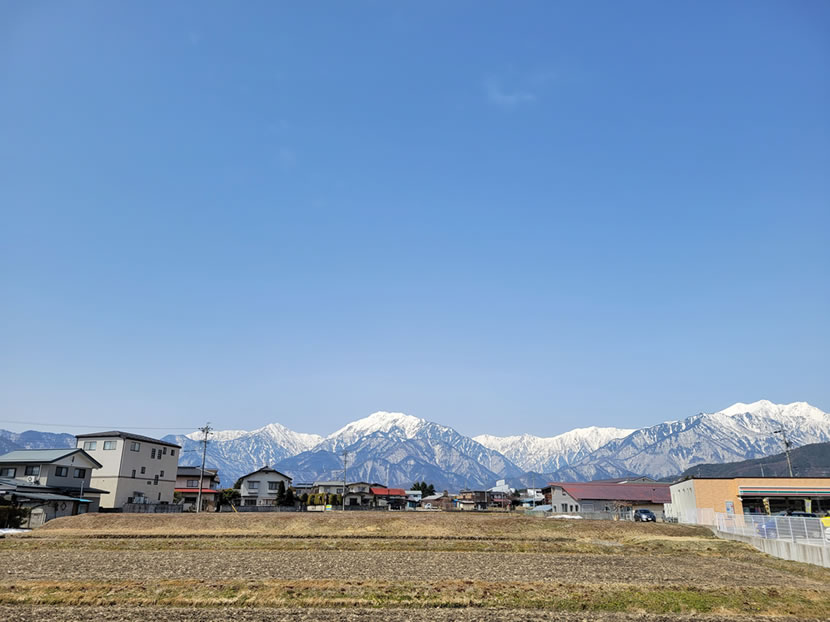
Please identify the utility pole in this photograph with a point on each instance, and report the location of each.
(787, 444)
(343, 497)
(206, 431)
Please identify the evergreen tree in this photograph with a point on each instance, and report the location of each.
(289, 497)
(281, 493)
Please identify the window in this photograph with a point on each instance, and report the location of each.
(253, 485)
(90, 445)
(80, 473)
(108, 445)
(61, 471)
(153, 453)
(158, 455)
(33, 470)
(156, 480)
(133, 473)
(172, 452)
(273, 485)
(164, 451)
(8, 472)
(192, 483)
(161, 473)
(135, 446)
(143, 470)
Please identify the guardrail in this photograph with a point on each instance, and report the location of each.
(799, 529)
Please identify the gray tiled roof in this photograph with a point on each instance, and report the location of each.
(42, 456)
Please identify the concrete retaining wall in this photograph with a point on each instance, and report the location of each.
(794, 551)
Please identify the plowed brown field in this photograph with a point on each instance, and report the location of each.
(418, 566)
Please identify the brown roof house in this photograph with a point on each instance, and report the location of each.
(618, 498)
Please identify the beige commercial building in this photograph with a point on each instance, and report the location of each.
(695, 499)
(134, 468)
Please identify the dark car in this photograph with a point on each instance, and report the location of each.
(644, 516)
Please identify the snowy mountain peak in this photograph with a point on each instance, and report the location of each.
(765, 408)
(380, 421)
(545, 454)
(217, 435)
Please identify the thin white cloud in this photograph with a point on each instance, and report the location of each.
(500, 96)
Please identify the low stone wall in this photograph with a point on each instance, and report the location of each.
(784, 549)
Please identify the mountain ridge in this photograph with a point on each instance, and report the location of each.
(397, 448)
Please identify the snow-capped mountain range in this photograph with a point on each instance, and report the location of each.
(545, 455)
(399, 449)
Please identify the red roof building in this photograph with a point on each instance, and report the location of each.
(386, 492)
(390, 498)
(606, 496)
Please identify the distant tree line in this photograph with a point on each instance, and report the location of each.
(426, 489)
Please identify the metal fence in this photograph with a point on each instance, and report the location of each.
(152, 508)
(800, 529)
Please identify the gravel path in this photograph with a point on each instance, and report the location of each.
(388, 565)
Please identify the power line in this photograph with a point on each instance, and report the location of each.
(95, 427)
(206, 430)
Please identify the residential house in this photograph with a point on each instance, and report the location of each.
(134, 468)
(262, 486)
(531, 497)
(472, 500)
(413, 498)
(389, 498)
(328, 488)
(620, 498)
(442, 501)
(187, 487)
(501, 495)
(50, 483)
(359, 495)
(302, 488)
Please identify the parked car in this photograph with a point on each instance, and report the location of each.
(644, 516)
(767, 528)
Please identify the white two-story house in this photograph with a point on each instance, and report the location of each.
(134, 468)
(262, 486)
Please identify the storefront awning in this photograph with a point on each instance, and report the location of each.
(784, 491)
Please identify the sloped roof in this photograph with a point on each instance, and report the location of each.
(44, 456)
(602, 491)
(129, 435)
(266, 469)
(194, 470)
(399, 492)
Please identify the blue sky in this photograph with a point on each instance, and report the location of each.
(502, 220)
